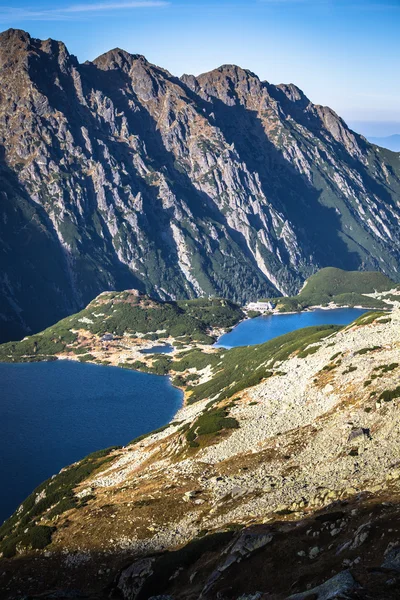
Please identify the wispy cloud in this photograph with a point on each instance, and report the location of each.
(100, 6)
(10, 13)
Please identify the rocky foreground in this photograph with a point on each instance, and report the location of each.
(288, 489)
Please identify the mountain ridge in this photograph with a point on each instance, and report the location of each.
(218, 184)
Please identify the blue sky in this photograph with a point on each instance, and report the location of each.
(342, 53)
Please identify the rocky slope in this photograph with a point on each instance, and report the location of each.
(115, 174)
(287, 489)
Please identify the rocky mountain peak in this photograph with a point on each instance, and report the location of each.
(14, 45)
(118, 59)
(12, 37)
(17, 45)
(229, 83)
(293, 93)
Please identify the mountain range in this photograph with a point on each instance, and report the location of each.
(115, 174)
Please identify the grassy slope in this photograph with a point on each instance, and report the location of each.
(344, 288)
(239, 368)
(124, 312)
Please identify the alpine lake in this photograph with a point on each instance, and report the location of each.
(54, 413)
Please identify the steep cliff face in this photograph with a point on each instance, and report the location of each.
(119, 175)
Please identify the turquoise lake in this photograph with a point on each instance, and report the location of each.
(262, 329)
(54, 413)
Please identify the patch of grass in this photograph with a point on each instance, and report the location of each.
(308, 351)
(367, 318)
(366, 350)
(253, 313)
(80, 350)
(86, 358)
(344, 288)
(35, 538)
(331, 366)
(389, 395)
(211, 421)
(387, 368)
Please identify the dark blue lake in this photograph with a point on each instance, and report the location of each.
(262, 329)
(54, 413)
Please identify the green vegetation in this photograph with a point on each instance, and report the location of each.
(332, 282)
(388, 368)
(38, 347)
(211, 421)
(350, 369)
(51, 498)
(308, 351)
(389, 395)
(367, 318)
(80, 350)
(385, 369)
(344, 288)
(239, 368)
(331, 366)
(253, 313)
(86, 358)
(126, 313)
(366, 350)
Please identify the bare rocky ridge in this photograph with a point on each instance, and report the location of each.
(116, 174)
(308, 480)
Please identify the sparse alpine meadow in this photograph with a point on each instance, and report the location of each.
(300, 428)
(334, 287)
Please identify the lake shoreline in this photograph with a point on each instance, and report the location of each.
(254, 326)
(318, 307)
(55, 413)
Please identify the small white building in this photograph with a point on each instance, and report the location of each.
(261, 306)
